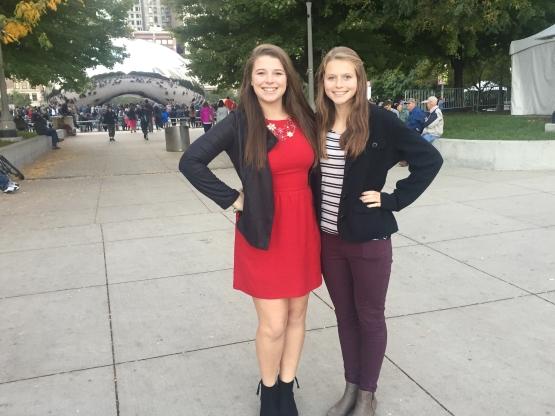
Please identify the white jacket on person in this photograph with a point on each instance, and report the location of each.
(433, 123)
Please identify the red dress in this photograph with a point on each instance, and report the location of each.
(291, 265)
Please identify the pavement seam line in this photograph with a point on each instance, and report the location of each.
(480, 270)
(530, 228)
(149, 279)
(168, 235)
(114, 369)
(53, 178)
(419, 386)
(156, 217)
(112, 284)
(56, 374)
(468, 305)
(323, 301)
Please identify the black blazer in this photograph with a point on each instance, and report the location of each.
(255, 221)
(389, 142)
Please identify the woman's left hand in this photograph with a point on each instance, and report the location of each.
(371, 199)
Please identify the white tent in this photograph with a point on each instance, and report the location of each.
(533, 74)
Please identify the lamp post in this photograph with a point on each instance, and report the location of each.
(310, 56)
(7, 125)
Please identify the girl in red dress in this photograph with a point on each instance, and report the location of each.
(271, 140)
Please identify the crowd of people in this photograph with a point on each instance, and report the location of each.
(146, 116)
(149, 116)
(428, 124)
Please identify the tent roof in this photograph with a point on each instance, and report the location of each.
(547, 35)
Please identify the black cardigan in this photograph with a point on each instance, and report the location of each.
(255, 222)
(389, 142)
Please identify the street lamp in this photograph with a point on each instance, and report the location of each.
(7, 125)
(310, 57)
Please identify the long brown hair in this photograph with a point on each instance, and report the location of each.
(354, 138)
(294, 103)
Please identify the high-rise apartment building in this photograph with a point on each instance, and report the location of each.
(148, 14)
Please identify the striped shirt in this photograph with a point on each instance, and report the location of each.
(332, 181)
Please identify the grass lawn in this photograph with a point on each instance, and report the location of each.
(493, 126)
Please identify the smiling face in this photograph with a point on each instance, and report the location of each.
(340, 81)
(268, 80)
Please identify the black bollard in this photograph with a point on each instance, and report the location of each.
(553, 117)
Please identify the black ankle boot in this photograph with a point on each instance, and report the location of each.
(269, 399)
(287, 406)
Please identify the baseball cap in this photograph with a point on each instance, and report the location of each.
(430, 98)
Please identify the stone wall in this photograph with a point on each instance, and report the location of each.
(26, 151)
(498, 154)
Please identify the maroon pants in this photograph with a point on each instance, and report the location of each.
(357, 276)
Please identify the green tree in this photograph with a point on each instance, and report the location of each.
(220, 34)
(64, 43)
(463, 32)
(388, 35)
(19, 100)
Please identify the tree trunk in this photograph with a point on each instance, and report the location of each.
(7, 125)
(458, 65)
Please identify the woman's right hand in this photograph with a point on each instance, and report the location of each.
(238, 204)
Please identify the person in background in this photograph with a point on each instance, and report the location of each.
(41, 127)
(221, 112)
(416, 116)
(148, 111)
(359, 145)
(388, 105)
(165, 118)
(110, 118)
(206, 116)
(433, 122)
(272, 143)
(192, 116)
(7, 185)
(230, 104)
(403, 112)
(132, 118)
(144, 119)
(441, 103)
(158, 117)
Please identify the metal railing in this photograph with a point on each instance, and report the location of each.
(465, 98)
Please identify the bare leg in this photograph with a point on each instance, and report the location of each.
(294, 338)
(270, 336)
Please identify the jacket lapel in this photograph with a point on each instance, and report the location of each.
(271, 140)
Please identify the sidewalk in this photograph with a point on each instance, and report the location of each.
(113, 230)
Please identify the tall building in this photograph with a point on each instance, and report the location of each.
(148, 14)
(36, 94)
(158, 36)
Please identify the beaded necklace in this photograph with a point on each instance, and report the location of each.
(282, 132)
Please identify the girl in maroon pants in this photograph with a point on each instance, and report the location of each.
(359, 144)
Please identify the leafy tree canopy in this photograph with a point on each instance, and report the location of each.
(392, 35)
(65, 42)
(26, 15)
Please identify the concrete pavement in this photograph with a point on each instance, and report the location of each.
(116, 297)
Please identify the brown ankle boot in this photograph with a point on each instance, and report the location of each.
(366, 404)
(346, 403)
